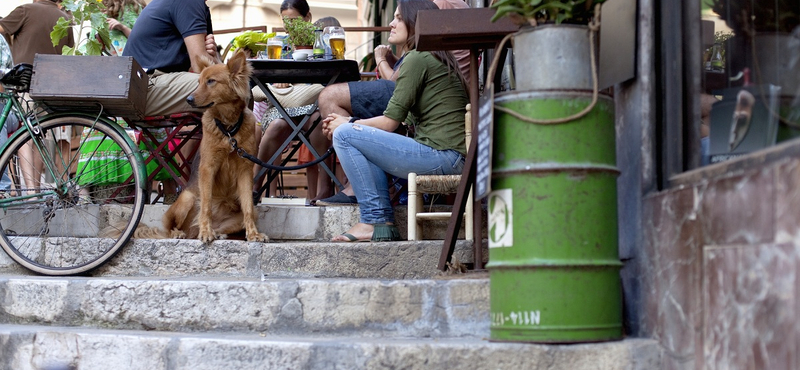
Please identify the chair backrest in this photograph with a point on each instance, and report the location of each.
(468, 125)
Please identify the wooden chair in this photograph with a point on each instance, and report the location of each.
(436, 184)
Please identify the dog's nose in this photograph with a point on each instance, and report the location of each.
(190, 100)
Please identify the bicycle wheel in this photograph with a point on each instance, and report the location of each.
(76, 213)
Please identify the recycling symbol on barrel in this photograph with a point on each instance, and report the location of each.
(501, 227)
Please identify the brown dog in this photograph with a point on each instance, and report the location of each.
(219, 199)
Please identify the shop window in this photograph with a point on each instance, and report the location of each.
(750, 73)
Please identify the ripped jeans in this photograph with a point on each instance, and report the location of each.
(367, 154)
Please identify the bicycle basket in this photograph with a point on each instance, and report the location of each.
(19, 77)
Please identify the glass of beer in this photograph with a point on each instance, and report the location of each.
(336, 41)
(274, 48)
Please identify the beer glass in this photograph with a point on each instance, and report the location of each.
(274, 48)
(336, 41)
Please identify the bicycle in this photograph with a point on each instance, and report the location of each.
(74, 214)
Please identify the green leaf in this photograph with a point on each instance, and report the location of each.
(506, 9)
(504, 2)
(93, 47)
(60, 31)
(66, 50)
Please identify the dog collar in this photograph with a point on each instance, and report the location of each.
(235, 127)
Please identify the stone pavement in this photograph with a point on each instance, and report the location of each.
(295, 303)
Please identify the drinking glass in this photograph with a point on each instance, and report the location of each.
(274, 48)
(336, 41)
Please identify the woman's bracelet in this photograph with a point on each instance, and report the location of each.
(353, 119)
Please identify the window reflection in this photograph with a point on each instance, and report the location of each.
(751, 76)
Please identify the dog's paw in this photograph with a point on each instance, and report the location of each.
(257, 237)
(207, 238)
(176, 234)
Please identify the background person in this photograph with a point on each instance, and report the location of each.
(168, 40)
(27, 28)
(430, 88)
(275, 129)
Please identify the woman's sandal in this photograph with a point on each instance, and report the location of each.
(352, 239)
(381, 233)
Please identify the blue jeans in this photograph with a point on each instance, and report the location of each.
(367, 154)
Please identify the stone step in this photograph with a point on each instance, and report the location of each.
(40, 347)
(289, 223)
(363, 307)
(240, 259)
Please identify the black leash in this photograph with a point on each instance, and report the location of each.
(244, 154)
(257, 161)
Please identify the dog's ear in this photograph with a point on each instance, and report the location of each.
(203, 62)
(239, 66)
(240, 70)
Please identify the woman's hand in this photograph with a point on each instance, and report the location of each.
(331, 122)
(114, 24)
(381, 51)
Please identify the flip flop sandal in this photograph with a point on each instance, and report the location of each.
(351, 239)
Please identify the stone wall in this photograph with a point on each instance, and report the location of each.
(717, 270)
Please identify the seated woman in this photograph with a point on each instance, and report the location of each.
(431, 90)
(275, 129)
(367, 99)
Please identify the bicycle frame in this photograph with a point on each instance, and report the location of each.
(29, 123)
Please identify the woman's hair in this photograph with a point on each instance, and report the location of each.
(408, 11)
(115, 8)
(300, 5)
(327, 22)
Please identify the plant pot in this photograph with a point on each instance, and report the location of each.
(551, 57)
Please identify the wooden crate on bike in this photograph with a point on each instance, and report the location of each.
(85, 83)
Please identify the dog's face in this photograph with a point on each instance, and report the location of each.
(222, 83)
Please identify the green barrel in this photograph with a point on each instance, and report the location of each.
(553, 259)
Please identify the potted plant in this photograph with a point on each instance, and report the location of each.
(553, 33)
(301, 33)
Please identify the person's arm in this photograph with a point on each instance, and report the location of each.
(196, 46)
(114, 24)
(385, 61)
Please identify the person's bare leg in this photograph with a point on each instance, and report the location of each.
(32, 166)
(65, 160)
(335, 99)
(277, 131)
(322, 185)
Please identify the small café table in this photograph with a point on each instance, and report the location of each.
(473, 30)
(324, 72)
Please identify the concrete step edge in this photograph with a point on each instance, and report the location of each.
(38, 347)
(367, 307)
(235, 258)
